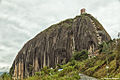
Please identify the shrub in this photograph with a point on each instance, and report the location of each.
(65, 71)
(34, 78)
(46, 71)
(59, 66)
(75, 76)
(105, 48)
(77, 66)
(90, 71)
(72, 63)
(37, 73)
(81, 55)
(6, 76)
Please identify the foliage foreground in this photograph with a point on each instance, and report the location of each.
(105, 65)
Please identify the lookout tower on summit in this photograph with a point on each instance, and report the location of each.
(83, 10)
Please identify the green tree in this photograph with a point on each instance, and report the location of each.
(80, 55)
(118, 55)
(6, 76)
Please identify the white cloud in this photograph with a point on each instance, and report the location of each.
(21, 20)
(4, 68)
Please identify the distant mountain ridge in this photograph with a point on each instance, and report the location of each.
(1, 73)
(4, 68)
(56, 44)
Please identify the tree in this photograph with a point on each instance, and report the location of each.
(118, 55)
(80, 55)
(6, 76)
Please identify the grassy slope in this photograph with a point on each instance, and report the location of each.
(109, 53)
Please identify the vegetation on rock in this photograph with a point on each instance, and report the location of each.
(56, 44)
(96, 67)
(80, 55)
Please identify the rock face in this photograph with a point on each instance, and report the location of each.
(56, 44)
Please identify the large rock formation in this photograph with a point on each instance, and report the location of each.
(56, 44)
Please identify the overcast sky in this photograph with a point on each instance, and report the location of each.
(21, 20)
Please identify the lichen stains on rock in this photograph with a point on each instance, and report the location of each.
(56, 44)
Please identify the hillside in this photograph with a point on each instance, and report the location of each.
(109, 55)
(57, 44)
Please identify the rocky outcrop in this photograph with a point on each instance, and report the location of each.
(56, 44)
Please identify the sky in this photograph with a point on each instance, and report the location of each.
(21, 20)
